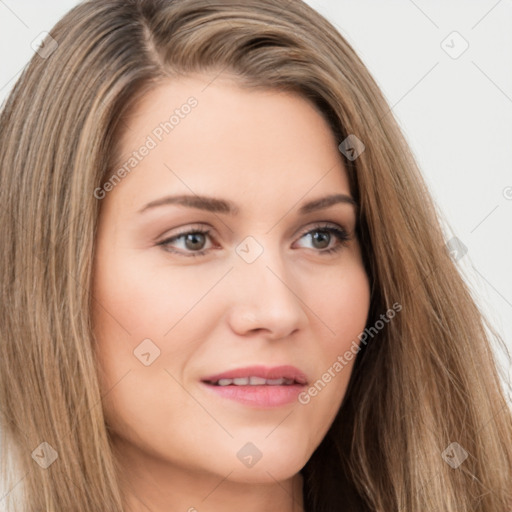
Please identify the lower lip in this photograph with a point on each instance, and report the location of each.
(259, 396)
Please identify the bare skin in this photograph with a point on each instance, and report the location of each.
(269, 153)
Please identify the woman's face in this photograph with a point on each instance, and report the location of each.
(267, 280)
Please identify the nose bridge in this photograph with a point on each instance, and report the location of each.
(260, 263)
(264, 297)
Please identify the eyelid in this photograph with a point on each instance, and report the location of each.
(323, 225)
(187, 228)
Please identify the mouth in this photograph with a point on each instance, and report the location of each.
(253, 381)
(258, 386)
(285, 375)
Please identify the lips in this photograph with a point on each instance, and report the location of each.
(258, 387)
(258, 376)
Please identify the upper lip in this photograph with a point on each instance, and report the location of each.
(266, 372)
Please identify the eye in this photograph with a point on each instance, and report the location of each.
(327, 238)
(188, 243)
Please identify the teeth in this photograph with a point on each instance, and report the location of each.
(275, 382)
(257, 381)
(254, 381)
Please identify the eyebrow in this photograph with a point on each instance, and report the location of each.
(214, 205)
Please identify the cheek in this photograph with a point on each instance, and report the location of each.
(342, 304)
(145, 299)
(143, 307)
(137, 311)
(342, 310)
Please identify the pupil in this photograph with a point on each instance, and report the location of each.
(323, 238)
(194, 240)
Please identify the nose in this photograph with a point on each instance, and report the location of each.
(264, 299)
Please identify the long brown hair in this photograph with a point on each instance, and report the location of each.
(426, 380)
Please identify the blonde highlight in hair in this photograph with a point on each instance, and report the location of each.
(427, 379)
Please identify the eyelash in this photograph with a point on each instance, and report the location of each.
(342, 236)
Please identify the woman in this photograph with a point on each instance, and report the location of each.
(225, 283)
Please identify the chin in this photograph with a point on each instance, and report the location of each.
(276, 465)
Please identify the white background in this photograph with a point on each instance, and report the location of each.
(455, 112)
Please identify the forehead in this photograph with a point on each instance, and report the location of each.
(210, 135)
